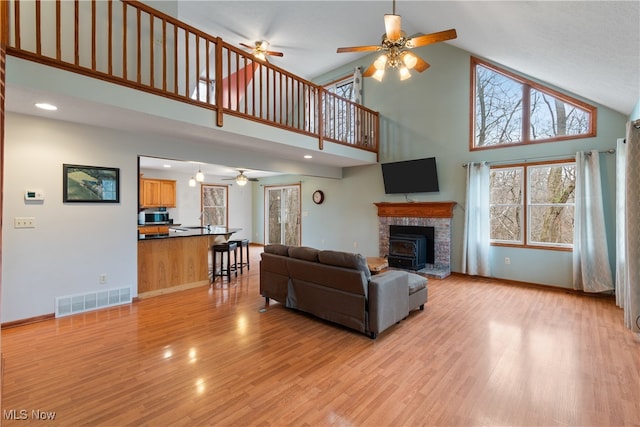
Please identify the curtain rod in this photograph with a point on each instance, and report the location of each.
(564, 156)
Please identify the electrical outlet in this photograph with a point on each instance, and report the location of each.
(24, 222)
(103, 278)
(507, 260)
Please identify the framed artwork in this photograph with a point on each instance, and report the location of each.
(90, 184)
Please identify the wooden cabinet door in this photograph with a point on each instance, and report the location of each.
(168, 193)
(150, 192)
(157, 192)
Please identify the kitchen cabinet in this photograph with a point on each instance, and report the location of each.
(157, 192)
(153, 229)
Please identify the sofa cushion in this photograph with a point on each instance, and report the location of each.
(345, 259)
(416, 282)
(277, 249)
(304, 252)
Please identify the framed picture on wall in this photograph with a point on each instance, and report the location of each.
(90, 184)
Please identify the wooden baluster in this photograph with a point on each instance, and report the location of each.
(152, 42)
(124, 41)
(58, 32)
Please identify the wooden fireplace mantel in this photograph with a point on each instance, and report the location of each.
(416, 209)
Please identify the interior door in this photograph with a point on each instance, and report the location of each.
(282, 215)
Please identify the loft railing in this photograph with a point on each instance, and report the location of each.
(132, 44)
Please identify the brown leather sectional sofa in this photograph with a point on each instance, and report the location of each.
(338, 287)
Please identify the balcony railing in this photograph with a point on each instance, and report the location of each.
(132, 44)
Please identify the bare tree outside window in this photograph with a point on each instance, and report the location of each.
(548, 196)
(282, 215)
(214, 205)
(551, 203)
(340, 115)
(511, 110)
(498, 108)
(506, 204)
(551, 117)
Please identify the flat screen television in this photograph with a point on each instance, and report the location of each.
(410, 176)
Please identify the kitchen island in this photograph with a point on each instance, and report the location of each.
(178, 260)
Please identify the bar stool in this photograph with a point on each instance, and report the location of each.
(224, 248)
(242, 243)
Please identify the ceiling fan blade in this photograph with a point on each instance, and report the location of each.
(369, 71)
(392, 26)
(358, 49)
(433, 38)
(421, 65)
(274, 53)
(247, 46)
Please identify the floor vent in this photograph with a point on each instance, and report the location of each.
(79, 303)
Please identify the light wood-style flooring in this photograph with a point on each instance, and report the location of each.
(482, 353)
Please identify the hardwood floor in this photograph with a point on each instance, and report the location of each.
(482, 353)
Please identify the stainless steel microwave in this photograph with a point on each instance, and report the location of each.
(156, 217)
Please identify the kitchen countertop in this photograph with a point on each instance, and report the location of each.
(183, 231)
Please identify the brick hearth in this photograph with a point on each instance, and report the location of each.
(423, 214)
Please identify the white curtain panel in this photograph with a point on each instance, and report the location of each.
(591, 268)
(357, 85)
(621, 265)
(632, 229)
(476, 245)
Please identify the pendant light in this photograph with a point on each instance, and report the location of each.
(199, 175)
(192, 182)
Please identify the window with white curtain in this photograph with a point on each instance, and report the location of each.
(532, 205)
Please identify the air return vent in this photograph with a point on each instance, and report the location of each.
(79, 303)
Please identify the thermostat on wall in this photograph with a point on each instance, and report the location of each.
(34, 195)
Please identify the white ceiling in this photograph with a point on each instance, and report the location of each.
(590, 48)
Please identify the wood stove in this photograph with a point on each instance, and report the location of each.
(410, 247)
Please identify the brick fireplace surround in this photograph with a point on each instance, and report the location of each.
(423, 214)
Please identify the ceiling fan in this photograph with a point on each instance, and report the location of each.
(395, 46)
(241, 179)
(261, 50)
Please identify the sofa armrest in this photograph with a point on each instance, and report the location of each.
(388, 300)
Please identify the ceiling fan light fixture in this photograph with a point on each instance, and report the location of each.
(260, 55)
(404, 73)
(409, 59)
(381, 62)
(241, 179)
(378, 75)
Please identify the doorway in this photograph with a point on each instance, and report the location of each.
(282, 215)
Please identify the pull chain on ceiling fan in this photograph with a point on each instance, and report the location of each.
(395, 46)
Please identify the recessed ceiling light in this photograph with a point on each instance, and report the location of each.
(46, 106)
(308, 156)
(166, 166)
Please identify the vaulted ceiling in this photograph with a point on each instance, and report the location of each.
(590, 48)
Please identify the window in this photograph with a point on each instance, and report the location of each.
(509, 110)
(339, 115)
(533, 205)
(204, 90)
(214, 205)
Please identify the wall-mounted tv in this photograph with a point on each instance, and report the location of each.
(410, 176)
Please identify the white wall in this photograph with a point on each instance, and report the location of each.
(72, 244)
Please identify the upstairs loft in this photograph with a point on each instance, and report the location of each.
(191, 80)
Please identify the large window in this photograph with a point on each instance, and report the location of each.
(533, 204)
(509, 110)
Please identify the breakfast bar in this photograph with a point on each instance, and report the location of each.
(177, 260)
